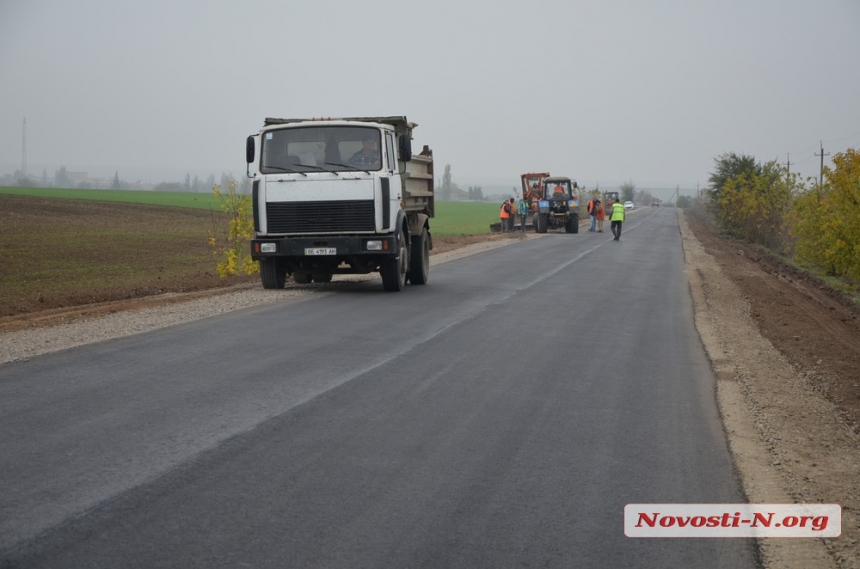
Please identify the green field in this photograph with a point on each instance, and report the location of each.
(464, 218)
(176, 199)
(452, 218)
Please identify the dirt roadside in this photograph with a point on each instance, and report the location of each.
(785, 356)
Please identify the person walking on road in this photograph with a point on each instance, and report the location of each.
(600, 215)
(523, 211)
(616, 217)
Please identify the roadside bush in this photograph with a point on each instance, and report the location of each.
(231, 245)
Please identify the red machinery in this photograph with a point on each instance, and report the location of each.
(532, 187)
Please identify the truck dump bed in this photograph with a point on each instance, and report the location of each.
(418, 186)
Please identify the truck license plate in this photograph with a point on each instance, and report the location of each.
(321, 251)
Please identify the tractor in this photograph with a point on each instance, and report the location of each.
(557, 206)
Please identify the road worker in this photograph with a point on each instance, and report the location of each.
(616, 216)
(505, 214)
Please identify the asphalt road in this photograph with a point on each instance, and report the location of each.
(501, 416)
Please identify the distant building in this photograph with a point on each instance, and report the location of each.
(76, 178)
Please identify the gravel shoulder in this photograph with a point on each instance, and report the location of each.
(791, 444)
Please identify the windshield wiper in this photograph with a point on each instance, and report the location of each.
(286, 170)
(350, 166)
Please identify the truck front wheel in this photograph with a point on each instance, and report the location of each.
(272, 274)
(572, 225)
(419, 264)
(394, 269)
(541, 222)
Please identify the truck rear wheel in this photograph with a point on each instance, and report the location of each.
(419, 263)
(302, 278)
(272, 274)
(541, 222)
(394, 269)
(322, 277)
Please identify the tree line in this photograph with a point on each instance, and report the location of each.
(817, 223)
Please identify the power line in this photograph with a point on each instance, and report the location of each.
(846, 138)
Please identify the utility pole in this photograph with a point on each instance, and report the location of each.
(788, 163)
(24, 150)
(821, 170)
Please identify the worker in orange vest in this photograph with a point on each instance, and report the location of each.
(592, 213)
(505, 215)
(600, 215)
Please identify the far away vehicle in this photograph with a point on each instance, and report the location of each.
(629, 205)
(609, 198)
(558, 206)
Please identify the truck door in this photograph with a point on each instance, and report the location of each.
(394, 195)
(389, 151)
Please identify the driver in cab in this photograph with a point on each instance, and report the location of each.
(368, 156)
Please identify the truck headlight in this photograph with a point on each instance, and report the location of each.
(268, 247)
(374, 245)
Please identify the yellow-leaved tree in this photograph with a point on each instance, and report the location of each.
(753, 205)
(231, 245)
(826, 220)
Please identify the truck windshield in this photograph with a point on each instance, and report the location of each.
(319, 148)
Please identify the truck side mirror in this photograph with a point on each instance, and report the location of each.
(249, 149)
(405, 144)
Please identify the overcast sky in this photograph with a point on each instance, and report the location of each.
(603, 91)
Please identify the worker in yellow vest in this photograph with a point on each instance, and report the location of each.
(616, 216)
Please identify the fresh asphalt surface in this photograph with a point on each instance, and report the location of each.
(500, 416)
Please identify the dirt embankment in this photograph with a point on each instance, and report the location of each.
(785, 353)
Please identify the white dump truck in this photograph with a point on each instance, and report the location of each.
(340, 196)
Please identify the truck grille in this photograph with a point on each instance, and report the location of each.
(320, 217)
